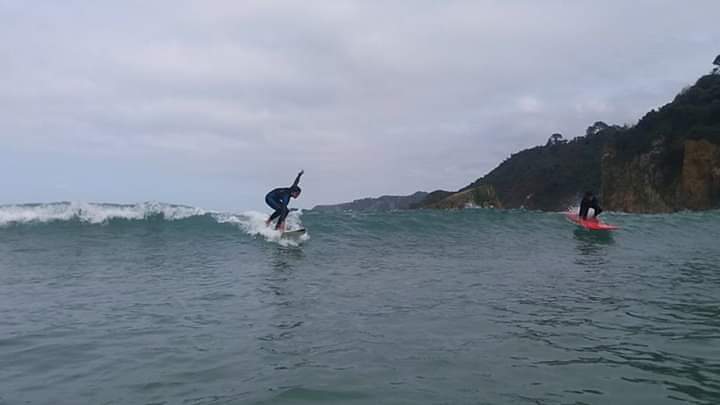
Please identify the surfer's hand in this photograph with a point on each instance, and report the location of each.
(301, 173)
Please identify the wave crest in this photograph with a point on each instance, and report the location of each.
(252, 222)
(93, 213)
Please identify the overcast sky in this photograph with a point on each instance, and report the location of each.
(212, 103)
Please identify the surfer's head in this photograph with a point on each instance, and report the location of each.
(295, 191)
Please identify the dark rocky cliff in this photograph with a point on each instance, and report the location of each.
(670, 160)
(648, 183)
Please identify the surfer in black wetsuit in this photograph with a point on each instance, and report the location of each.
(278, 199)
(589, 201)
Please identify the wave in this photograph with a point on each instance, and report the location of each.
(93, 213)
(251, 222)
(345, 226)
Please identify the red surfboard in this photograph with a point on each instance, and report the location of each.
(590, 223)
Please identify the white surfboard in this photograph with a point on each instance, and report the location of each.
(295, 233)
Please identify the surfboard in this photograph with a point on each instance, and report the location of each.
(294, 233)
(590, 223)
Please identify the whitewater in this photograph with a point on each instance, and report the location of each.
(156, 303)
(251, 222)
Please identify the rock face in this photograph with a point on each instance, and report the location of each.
(637, 184)
(700, 184)
(384, 203)
(653, 182)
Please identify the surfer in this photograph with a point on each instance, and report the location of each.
(589, 201)
(278, 199)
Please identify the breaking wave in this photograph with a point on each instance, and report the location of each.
(251, 222)
(93, 213)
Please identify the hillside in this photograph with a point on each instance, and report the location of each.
(669, 161)
(386, 202)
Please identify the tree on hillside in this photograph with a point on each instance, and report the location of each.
(596, 128)
(555, 139)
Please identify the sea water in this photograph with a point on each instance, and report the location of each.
(165, 304)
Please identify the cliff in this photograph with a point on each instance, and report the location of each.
(700, 181)
(650, 182)
(670, 160)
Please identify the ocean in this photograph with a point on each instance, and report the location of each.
(165, 304)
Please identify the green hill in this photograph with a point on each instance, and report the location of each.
(669, 161)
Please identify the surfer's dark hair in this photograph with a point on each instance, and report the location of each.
(295, 189)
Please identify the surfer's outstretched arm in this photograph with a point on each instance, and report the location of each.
(297, 179)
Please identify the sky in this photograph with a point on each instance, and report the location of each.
(212, 103)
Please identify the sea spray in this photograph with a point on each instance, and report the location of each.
(253, 223)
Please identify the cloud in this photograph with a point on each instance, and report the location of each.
(369, 97)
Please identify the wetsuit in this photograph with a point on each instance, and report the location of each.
(586, 204)
(278, 199)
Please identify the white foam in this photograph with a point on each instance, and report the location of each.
(93, 213)
(573, 209)
(253, 223)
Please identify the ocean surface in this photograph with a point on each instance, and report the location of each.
(163, 304)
